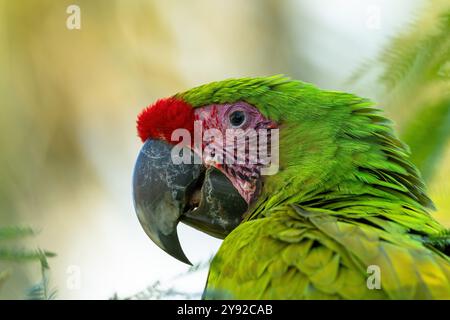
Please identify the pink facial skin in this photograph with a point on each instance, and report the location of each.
(245, 177)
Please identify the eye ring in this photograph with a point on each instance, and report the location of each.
(237, 118)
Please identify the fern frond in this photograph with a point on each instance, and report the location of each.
(415, 71)
(158, 291)
(41, 290)
(427, 135)
(11, 233)
(22, 255)
(14, 254)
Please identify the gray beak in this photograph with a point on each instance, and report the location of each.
(166, 193)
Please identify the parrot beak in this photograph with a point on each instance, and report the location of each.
(166, 193)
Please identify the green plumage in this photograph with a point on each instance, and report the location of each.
(346, 197)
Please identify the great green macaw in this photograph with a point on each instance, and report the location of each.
(346, 204)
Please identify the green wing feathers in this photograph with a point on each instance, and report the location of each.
(295, 254)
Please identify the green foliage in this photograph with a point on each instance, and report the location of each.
(427, 135)
(22, 255)
(419, 55)
(8, 233)
(416, 76)
(417, 66)
(17, 254)
(14, 254)
(41, 291)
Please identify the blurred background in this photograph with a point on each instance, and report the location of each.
(69, 98)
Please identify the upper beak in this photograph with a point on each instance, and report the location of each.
(166, 193)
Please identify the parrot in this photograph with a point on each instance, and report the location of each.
(345, 215)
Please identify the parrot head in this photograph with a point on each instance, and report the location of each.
(324, 140)
(210, 191)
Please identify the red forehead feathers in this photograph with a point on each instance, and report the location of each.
(160, 119)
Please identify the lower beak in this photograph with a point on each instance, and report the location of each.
(166, 193)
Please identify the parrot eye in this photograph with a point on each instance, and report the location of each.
(237, 118)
